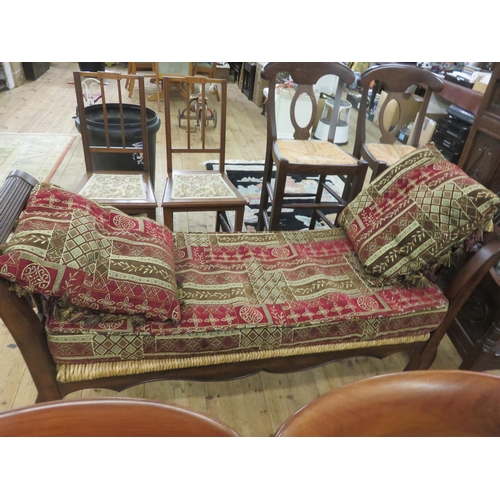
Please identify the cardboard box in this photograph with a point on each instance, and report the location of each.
(409, 109)
(482, 83)
(428, 129)
(17, 73)
(222, 71)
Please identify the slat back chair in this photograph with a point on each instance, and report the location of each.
(110, 417)
(197, 190)
(396, 80)
(299, 154)
(125, 180)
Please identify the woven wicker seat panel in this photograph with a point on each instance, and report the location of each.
(314, 153)
(389, 153)
(249, 296)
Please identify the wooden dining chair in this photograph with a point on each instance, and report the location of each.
(396, 79)
(198, 129)
(132, 69)
(116, 148)
(418, 403)
(290, 150)
(207, 69)
(110, 417)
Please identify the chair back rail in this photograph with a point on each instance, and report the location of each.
(189, 82)
(397, 79)
(305, 76)
(88, 148)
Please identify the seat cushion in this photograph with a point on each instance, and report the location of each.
(414, 213)
(113, 186)
(200, 185)
(250, 296)
(389, 153)
(92, 256)
(314, 153)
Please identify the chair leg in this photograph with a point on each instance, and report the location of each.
(317, 201)
(238, 219)
(131, 87)
(277, 204)
(217, 222)
(264, 195)
(378, 169)
(168, 218)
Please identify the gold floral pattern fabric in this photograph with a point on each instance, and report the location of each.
(113, 186)
(414, 212)
(92, 256)
(258, 295)
(204, 185)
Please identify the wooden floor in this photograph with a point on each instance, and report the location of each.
(254, 406)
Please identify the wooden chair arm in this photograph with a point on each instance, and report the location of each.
(457, 292)
(473, 271)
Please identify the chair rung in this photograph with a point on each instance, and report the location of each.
(224, 222)
(314, 205)
(325, 219)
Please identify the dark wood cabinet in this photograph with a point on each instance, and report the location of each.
(235, 69)
(248, 79)
(475, 332)
(481, 155)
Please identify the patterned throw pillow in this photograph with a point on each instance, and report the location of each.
(92, 256)
(414, 213)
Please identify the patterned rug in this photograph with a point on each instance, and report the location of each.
(37, 154)
(247, 177)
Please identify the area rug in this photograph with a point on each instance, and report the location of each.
(37, 154)
(247, 178)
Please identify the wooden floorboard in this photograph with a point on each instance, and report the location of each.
(254, 406)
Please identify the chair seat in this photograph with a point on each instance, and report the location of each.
(186, 188)
(131, 193)
(200, 185)
(388, 153)
(113, 186)
(314, 153)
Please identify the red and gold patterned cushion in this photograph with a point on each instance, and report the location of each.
(250, 296)
(415, 212)
(92, 256)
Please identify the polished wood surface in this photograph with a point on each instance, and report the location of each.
(255, 405)
(434, 403)
(110, 417)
